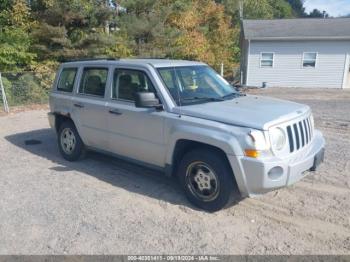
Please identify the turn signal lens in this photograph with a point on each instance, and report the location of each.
(252, 153)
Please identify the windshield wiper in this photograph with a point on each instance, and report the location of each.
(232, 95)
(208, 99)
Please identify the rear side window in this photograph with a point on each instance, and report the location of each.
(67, 78)
(93, 81)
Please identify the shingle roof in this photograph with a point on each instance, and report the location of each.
(306, 28)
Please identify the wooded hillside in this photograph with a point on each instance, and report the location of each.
(37, 34)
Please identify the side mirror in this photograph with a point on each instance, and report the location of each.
(146, 100)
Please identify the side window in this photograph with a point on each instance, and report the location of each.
(67, 79)
(93, 81)
(267, 60)
(309, 60)
(127, 82)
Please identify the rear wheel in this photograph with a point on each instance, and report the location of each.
(69, 142)
(206, 178)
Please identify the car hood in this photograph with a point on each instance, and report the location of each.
(249, 111)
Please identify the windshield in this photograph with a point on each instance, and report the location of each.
(196, 84)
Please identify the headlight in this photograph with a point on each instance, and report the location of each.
(256, 140)
(255, 144)
(278, 138)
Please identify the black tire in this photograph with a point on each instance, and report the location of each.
(216, 163)
(75, 152)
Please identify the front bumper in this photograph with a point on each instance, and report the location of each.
(257, 177)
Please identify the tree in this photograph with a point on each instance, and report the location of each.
(72, 29)
(257, 9)
(299, 10)
(198, 30)
(298, 7)
(146, 24)
(281, 9)
(15, 41)
(205, 33)
(5, 4)
(317, 13)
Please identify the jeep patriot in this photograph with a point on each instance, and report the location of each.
(183, 118)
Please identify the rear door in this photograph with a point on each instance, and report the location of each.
(61, 96)
(89, 106)
(136, 133)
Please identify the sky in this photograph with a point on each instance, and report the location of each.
(333, 7)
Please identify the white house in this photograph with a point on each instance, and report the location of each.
(296, 53)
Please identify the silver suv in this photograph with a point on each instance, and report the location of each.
(185, 119)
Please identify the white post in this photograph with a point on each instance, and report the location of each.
(241, 10)
(222, 70)
(3, 95)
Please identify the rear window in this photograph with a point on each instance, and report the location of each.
(67, 79)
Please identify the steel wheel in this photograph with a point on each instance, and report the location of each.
(68, 141)
(202, 181)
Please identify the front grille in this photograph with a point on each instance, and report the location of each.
(300, 134)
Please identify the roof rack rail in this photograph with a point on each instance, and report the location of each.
(152, 57)
(92, 59)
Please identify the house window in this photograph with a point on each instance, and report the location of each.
(309, 60)
(266, 60)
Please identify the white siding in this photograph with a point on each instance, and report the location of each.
(288, 68)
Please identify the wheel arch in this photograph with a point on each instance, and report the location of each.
(61, 118)
(183, 146)
(183, 135)
(184, 140)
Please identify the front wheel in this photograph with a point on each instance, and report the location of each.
(206, 178)
(69, 142)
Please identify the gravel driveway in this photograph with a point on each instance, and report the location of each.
(103, 205)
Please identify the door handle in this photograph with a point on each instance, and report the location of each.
(79, 105)
(115, 112)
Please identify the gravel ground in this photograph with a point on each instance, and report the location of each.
(103, 205)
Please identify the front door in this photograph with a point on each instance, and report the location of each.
(89, 107)
(136, 133)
